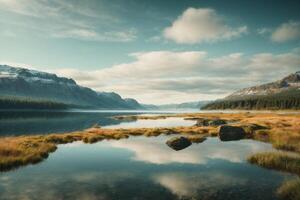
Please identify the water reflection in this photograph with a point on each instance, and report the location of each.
(155, 151)
(148, 123)
(44, 122)
(188, 184)
(145, 168)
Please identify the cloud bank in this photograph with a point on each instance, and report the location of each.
(177, 76)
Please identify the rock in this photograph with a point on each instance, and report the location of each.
(228, 133)
(210, 122)
(216, 122)
(202, 122)
(178, 143)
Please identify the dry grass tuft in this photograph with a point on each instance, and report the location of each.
(290, 190)
(286, 162)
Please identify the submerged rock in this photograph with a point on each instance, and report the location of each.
(210, 122)
(228, 133)
(178, 143)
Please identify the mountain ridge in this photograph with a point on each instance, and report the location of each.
(280, 94)
(24, 83)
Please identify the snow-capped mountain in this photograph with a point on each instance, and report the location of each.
(24, 83)
(290, 82)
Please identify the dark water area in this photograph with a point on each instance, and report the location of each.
(44, 122)
(145, 168)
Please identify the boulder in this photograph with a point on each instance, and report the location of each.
(229, 133)
(178, 143)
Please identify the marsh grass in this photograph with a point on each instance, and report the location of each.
(281, 161)
(289, 190)
(283, 131)
(24, 150)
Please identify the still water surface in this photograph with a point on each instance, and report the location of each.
(44, 122)
(137, 167)
(145, 168)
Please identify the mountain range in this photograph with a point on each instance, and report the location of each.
(35, 86)
(281, 94)
(182, 106)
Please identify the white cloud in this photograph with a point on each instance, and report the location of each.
(91, 35)
(63, 19)
(201, 25)
(263, 31)
(287, 32)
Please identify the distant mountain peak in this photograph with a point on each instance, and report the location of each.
(281, 94)
(30, 75)
(288, 82)
(292, 78)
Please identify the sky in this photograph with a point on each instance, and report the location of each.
(155, 51)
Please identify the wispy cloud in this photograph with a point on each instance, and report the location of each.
(201, 25)
(287, 32)
(63, 19)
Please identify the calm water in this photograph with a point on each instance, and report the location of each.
(43, 122)
(134, 168)
(145, 168)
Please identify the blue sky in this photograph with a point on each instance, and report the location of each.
(155, 51)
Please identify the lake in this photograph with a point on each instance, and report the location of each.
(44, 122)
(134, 168)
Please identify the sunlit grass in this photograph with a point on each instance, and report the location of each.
(281, 161)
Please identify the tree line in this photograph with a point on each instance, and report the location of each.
(16, 103)
(263, 103)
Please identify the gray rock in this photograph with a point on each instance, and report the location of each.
(229, 133)
(178, 143)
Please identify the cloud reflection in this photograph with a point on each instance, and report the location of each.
(157, 152)
(189, 184)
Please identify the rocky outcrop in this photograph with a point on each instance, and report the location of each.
(178, 143)
(229, 133)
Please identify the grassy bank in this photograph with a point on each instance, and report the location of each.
(282, 130)
(277, 160)
(289, 190)
(24, 150)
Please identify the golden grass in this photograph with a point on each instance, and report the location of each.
(283, 131)
(196, 138)
(289, 190)
(281, 161)
(23, 150)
